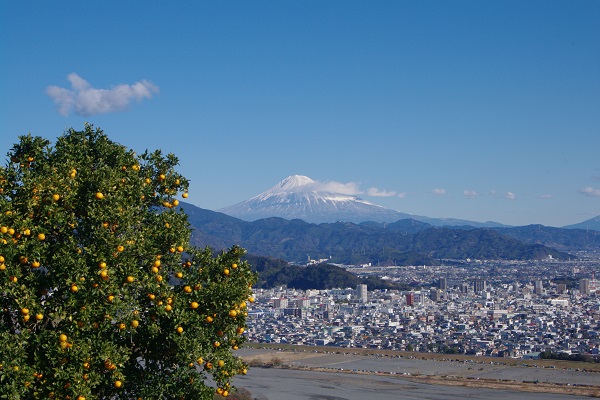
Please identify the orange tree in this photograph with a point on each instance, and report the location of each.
(101, 294)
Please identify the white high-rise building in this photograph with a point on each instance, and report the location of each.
(538, 287)
(361, 293)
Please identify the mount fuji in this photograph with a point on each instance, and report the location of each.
(300, 197)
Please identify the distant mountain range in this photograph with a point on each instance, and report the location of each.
(299, 219)
(591, 224)
(299, 197)
(404, 242)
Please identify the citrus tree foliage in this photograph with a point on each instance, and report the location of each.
(101, 294)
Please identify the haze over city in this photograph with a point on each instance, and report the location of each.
(485, 111)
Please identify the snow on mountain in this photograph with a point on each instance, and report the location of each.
(300, 197)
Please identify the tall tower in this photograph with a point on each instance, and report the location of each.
(479, 285)
(442, 284)
(584, 287)
(538, 287)
(361, 293)
(410, 299)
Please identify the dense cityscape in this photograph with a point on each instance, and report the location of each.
(495, 308)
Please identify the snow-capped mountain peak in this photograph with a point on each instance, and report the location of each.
(293, 183)
(301, 197)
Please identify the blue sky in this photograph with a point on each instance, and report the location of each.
(481, 110)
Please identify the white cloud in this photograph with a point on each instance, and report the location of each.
(349, 188)
(380, 193)
(510, 196)
(83, 99)
(546, 196)
(590, 191)
(402, 195)
(471, 194)
(439, 191)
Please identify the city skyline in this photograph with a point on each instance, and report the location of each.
(478, 111)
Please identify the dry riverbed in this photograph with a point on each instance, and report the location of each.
(539, 376)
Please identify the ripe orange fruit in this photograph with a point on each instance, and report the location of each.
(111, 297)
(99, 195)
(157, 263)
(221, 363)
(216, 344)
(159, 278)
(226, 271)
(234, 266)
(185, 195)
(194, 305)
(74, 288)
(62, 338)
(179, 275)
(122, 326)
(39, 317)
(232, 313)
(179, 329)
(118, 384)
(41, 236)
(240, 330)
(35, 264)
(209, 319)
(168, 307)
(162, 177)
(55, 197)
(135, 323)
(251, 299)
(180, 249)
(130, 279)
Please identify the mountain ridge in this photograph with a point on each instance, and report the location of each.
(405, 242)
